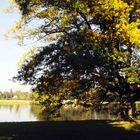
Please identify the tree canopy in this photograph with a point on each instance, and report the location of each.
(88, 52)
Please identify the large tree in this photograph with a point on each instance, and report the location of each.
(88, 51)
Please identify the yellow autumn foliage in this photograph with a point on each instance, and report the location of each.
(115, 11)
(27, 56)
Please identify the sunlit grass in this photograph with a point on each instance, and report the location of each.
(127, 125)
(13, 102)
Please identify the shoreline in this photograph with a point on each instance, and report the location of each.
(11, 102)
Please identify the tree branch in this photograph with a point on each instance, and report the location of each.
(85, 19)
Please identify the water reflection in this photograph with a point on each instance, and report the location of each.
(81, 113)
(69, 112)
(16, 113)
(20, 113)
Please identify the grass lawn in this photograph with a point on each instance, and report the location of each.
(70, 130)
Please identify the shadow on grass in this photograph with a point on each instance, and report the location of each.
(69, 130)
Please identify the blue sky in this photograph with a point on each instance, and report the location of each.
(10, 52)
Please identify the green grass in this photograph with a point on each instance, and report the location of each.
(70, 130)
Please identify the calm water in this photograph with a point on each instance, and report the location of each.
(22, 113)
(16, 113)
(81, 113)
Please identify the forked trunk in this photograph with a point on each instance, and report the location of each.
(126, 111)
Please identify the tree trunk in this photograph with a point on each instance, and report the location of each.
(126, 111)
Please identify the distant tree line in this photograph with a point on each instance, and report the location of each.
(16, 95)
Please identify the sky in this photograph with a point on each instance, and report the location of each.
(10, 51)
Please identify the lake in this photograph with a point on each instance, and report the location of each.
(16, 113)
(23, 112)
(27, 112)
